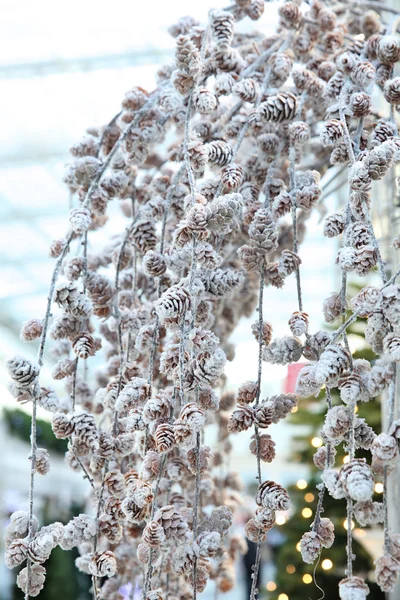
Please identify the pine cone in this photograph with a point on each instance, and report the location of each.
(332, 132)
(219, 153)
(324, 458)
(154, 263)
(221, 282)
(391, 91)
(172, 523)
(359, 177)
(80, 220)
(283, 351)
(254, 532)
(187, 56)
(232, 176)
(360, 104)
(222, 23)
(255, 10)
(263, 414)
(266, 332)
(353, 588)
(22, 371)
(103, 564)
(298, 323)
(386, 572)
(325, 530)
(36, 580)
(174, 303)
(31, 330)
(246, 89)
(223, 212)
(289, 262)
(153, 534)
(272, 495)
(266, 447)
(357, 480)
(384, 447)
(281, 107)
(334, 224)
(62, 426)
(42, 464)
(310, 546)
(84, 345)
(289, 14)
(85, 428)
(333, 361)
(16, 553)
(253, 259)
(337, 423)
(198, 157)
(164, 437)
(133, 513)
(241, 419)
(368, 513)
(144, 235)
(247, 392)
(74, 302)
(364, 435)
(282, 406)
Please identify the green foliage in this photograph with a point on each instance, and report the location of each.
(19, 424)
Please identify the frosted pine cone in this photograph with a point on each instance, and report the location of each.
(232, 176)
(337, 423)
(219, 153)
(391, 90)
(263, 414)
(197, 155)
(282, 406)
(172, 522)
(384, 447)
(360, 104)
(310, 546)
(62, 426)
(31, 330)
(388, 49)
(208, 543)
(246, 89)
(391, 346)
(174, 303)
(377, 328)
(263, 231)
(282, 205)
(289, 14)
(391, 303)
(299, 132)
(359, 178)
(298, 323)
(16, 553)
(357, 480)
(283, 351)
(80, 220)
(157, 408)
(281, 107)
(272, 495)
(153, 534)
(326, 533)
(334, 224)
(332, 307)
(223, 212)
(369, 512)
(22, 371)
(346, 258)
(72, 300)
(367, 301)
(187, 56)
(36, 583)
(266, 332)
(222, 23)
(192, 416)
(247, 392)
(164, 437)
(103, 564)
(133, 513)
(353, 588)
(204, 101)
(333, 361)
(221, 282)
(253, 259)
(154, 263)
(306, 385)
(144, 235)
(351, 387)
(241, 419)
(386, 572)
(254, 532)
(115, 483)
(42, 464)
(364, 435)
(395, 545)
(266, 447)
(289, 262)
(85, 428)
(84, 345)
(379, 159)
(324, 458)
(332, 132)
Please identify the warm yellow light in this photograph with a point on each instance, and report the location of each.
(360, 532)
(345, 524)
(302, 484)
(298, 546)
(346, 459)
(327, 564)
(280, 520)
(283, 597)
(309, 497)
(306, 513)
(290, 569)
(356, 409)
(307, 578)
(379, 488)
(271, 586)
(316, 442)
(294, 409)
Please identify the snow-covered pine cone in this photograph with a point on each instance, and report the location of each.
(337, 423)
(144, 235)
(384, 447)
(333, 361)
(241, 419)
(31, 330)
(357, 480)
(272, 495)
(279, 108)
(310, 546)
(174, 303)
(298, 323)
(283, 351)
(80, 220)
(103, 564)
(172, 522)
(386, 572)
(22, 371)
(369, 512)
(222, 27)
(265, 447)
(219, 153)
(353, 588)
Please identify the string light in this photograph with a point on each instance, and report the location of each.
(346, 459)
(378, 488)
(307, 578)
(271, 586)
(306, 513)
(283, 597)
(309, 497)
(327, 564)
(290, 569)
(345, 524)
(280, 520)
(294, 409)
(302, 484)
(316, 442)
(298, 546)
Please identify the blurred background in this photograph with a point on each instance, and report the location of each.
(63, 68)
